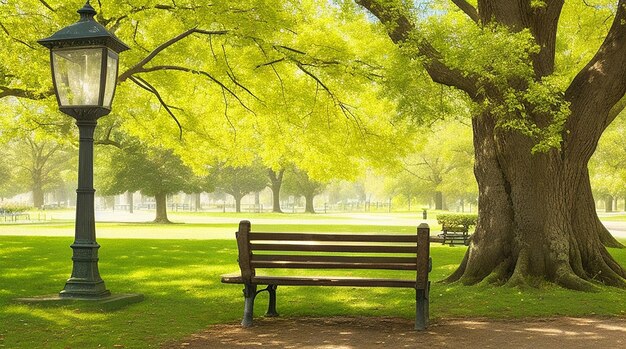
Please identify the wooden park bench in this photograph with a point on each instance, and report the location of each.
(455, 234)
(346, 252)
(13, 216)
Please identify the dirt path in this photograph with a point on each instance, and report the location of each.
(360, 333)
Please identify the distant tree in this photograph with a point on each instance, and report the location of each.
(408, 187)
(8, 187)
(154, 171)
(276, 182)
(241, 181)
(607, 167)
(298, 182)
(442, 165)
(39, 163)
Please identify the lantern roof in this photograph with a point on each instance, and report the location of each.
(85, 32)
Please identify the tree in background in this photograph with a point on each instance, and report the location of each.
(440, 167)
(446, 155)
(284, 87)
(8, 185)
(155, 172)
(607, 167)
(408, 187)
(241, 181)
(40, 163)
(298, 183)
(276, 182)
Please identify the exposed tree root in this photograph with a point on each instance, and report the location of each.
(500, 274)
(608, 239)
(565, 277)
(604, 273)
(520, 273)
(611, 263)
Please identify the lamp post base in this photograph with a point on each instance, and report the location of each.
(77, 288)
(85, 281)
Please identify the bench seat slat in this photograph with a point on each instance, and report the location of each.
(321, 281)
(332, 259)
(329, 265)
(332, 237)
(333, 248)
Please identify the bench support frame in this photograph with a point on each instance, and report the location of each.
(249, 293)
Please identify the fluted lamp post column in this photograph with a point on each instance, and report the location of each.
(84, 61)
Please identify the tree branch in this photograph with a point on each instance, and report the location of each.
(146, 86)
(399, 27)
(107, 139)
(6, 31)
(199, 72)
(47, 5)
(117, 145)
(233, 78)
(468, 9)
(141, 64)
(598, 88)
(23, 93)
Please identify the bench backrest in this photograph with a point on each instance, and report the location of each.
(334, 251)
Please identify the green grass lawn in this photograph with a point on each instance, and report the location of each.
(181, 282)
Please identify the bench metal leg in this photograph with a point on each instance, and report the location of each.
(422, 308)
(271, 307)
(249, 292)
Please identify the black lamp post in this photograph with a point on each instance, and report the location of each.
(84, 61)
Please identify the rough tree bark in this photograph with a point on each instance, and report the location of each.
(161, 209)
(537, 218)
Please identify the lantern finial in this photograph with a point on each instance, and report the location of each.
(87, 12)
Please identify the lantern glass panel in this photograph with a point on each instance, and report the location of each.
(77, 74)
(111, 78)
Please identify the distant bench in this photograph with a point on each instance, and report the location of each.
(14, 215)
(454, 234)
(345, 252)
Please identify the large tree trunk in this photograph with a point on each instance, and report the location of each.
(161, 209)
(276, 180)
(533, 223)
